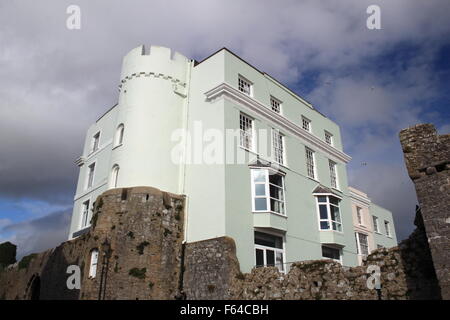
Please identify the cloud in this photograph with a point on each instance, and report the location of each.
(55, 82)
(39, 234)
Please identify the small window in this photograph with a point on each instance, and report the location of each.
(93, 264)
(359, 215)
(268, 191)
(114, 176)
(245, 86)
(328, 138)
(246, 129)
(362, 243)
(85, 214)
(119, 135)
(95, 142)
(306, 124)
(90, 179)
(387, 227)
(269, 250)
(333, 175)
(376, 228)
(329, 214)
(331, 253)
(275, 104)
(310, 169)
(278, 146)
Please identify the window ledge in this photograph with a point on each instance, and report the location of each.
(249, 150)
(313, 179)
(119, 145)
(272, 212)
(339, 232)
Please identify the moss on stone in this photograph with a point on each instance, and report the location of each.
(25, 262)
(141, 246)
(138, 273)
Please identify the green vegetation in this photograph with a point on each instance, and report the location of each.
(140, 248)
(25, 262)
(138, 273)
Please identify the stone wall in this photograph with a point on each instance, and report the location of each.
(427, 158)
(212, 272)
(144, 228)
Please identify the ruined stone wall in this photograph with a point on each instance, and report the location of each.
(212, 272)
(144, 227)
(427, 158)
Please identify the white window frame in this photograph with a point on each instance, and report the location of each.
(276, 250)
(328, 219)
(114, 176)
(376, 226)
(95, 142)
(84, 214)
(90, 179)
(332, 247)
(359, 216)
(278, 147)
(267, 194)
(119, 135)
(246, 131)
(275, 104)
(359, 245)
(93, 263)
(310, 163)
(333, 174)
(245, 86)
(306, 124)
(387, 227)
(330, 136)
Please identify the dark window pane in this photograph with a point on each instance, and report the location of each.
(331, 253)
(322, 199)
(324, 225)
(259, 257)
(270, 256)
(323, 211)
(334, 200)
(276, 179)
(268, 240)
(276, 192)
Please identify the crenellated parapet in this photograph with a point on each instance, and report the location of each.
(157, 62)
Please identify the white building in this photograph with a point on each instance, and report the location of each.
(260, 164)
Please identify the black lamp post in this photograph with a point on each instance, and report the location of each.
(106, 252)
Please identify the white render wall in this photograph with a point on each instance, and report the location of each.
(161, 92)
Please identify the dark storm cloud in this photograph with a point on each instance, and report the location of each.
(37, 235)
(55, 82)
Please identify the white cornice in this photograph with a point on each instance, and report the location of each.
(228, 91)
(359, 198)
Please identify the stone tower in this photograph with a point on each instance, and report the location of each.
(427, 158)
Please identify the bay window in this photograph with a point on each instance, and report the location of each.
(329, 215)
(268, 191)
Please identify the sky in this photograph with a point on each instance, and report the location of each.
(55, 82)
